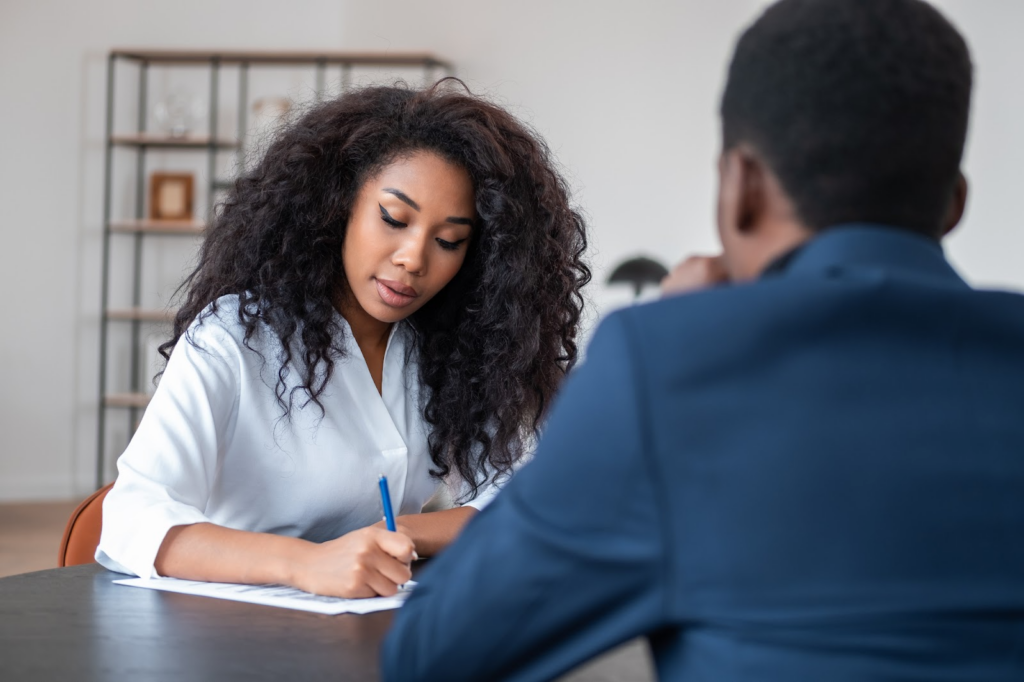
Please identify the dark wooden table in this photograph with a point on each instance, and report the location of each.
(74, 624)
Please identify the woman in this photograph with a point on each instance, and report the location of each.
(394, 289)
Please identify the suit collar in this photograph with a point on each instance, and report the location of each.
(865, 246)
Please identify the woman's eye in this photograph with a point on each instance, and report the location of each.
(450, 246)
(386, 217)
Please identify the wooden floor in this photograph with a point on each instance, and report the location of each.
(30, 535)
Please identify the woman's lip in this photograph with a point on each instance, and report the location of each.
(391, 297)
(399, 288)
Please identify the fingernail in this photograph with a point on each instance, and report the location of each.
(415, 556)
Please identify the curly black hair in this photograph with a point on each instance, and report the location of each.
(493, 346)
(860, 107)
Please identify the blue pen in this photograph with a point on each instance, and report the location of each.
(385, 498)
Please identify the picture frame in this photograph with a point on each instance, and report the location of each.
(170, 196)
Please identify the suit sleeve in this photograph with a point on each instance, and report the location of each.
(566, 563)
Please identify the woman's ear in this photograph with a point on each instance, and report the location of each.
(728, 194)
(956, 206)
(752, 186)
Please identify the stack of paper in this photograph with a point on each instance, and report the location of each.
(273, 595)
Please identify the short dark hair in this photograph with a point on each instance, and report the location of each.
(859, 107)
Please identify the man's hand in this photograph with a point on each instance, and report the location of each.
(364, 563)
(693, 274)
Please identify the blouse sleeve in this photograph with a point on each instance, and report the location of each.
(165, 474)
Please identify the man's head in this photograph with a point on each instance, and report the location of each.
(839, 111)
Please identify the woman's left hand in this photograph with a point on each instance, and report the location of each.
(433, 531)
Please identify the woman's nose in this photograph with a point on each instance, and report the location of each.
(411, 255)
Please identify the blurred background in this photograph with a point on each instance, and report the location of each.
(625, 93)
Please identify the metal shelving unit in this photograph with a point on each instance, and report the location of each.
(140, 140)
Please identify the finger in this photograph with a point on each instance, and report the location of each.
(687, 276)
(364, 578)
(398, 545)
(695, 273)
(352, 590)
(719, 271)
(382, 584)
(391, 568)
(351, 585)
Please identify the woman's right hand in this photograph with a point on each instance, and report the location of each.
(364, 563)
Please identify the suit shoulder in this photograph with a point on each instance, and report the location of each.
(687, 314)
(751, 318)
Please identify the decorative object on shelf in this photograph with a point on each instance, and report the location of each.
(638, 272)
(269, 112)
(178, 113)
(170, 196)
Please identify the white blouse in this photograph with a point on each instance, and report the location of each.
(213, 446)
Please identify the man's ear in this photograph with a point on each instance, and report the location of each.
(752, 188)
(956, 206)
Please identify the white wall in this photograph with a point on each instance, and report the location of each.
(988, 247)
(625, 94)
(52, 80)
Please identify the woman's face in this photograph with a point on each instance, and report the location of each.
(408, 234)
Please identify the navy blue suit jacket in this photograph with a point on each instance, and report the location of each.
(816, 476)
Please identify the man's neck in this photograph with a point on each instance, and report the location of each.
(774, 242)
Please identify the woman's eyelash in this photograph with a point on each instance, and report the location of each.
(446, 245)
(450, 246)
(386, 217)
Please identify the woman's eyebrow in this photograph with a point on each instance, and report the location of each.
(405, 197)
(402, 196)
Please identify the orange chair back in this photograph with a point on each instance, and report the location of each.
(82, 534)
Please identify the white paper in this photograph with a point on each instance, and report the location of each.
(273, 595)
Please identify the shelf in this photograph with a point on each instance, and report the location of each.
(141, 314)
(168, 142)
(412, 59)
(137, 400)
(189, 227)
